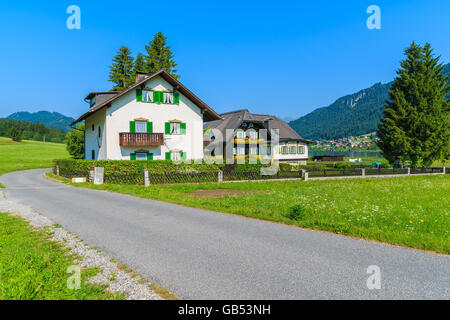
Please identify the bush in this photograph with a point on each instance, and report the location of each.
(296, 212)
(75, 142)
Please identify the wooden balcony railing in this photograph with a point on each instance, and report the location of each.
(128, 139)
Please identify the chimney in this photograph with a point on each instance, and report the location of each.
(140, 76)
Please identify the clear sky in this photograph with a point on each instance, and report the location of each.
(278, 57)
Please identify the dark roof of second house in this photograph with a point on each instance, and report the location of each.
(209, 114)
(234, 119)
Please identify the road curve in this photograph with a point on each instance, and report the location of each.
(199, 254)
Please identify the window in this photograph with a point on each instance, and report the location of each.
(284, 150)
(293, 149)
(252, 134)
(301, 149)
(240, 134)
(141, 156)
(241, 151)
(92, 102)
(253, 150)
(175, 128)
(153, 96)
(147, 96)
(99, 132)
(93, 154)
(141, 126)
(93, 127)
(176, 155)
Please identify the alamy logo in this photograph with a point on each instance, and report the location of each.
(74, 20)
(374, 21)
(374, 281)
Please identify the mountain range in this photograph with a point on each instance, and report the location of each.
(50, 119)
(352, 115)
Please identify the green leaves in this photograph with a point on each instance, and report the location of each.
(75, 142)
(415, 126)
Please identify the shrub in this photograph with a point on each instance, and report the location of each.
(296, 212)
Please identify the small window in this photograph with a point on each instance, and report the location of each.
(147, 96)
(168, 97)
(175, 128)
(240, 134)
(252, 134)
(175, 156)
(301, 149)
(93, 127)
(93, 154)
(141, 127)
(141, 156)
(253, 150)
(241, 151)
(99, 132)
(293, 149)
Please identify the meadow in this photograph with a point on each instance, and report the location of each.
(15, 156)
(412, 212)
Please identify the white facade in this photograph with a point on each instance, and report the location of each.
(115, 119)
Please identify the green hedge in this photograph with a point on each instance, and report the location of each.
(153, 166)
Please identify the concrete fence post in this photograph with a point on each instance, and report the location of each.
(409, 171)
(306, 176)
(220, 176)
(146, 178)
(99, 175)
(363, 172)
(57, 170)
(91, 176)
(443, 170)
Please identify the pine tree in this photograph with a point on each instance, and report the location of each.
(415, 126)
(121, 71)
(159, 56)
(139, 63)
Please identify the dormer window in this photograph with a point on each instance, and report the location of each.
(92, 102)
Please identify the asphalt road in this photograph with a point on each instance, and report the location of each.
(199, 254)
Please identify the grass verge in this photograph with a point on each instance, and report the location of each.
(412, 212)
(34, 268)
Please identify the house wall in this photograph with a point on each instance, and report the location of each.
(290, 158)
(92, 142)
(126, 109)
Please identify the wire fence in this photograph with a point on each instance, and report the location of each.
(142, 178)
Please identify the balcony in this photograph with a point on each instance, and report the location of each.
(128, 139)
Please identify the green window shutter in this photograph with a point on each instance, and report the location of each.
(139, 95)
(167, 155)
(149, 156)
(133, 156)
(155, 96)
(167, 127)
(183, 128)
(132, 126)
(149, 127)
(183, 156)
(161, 96)
(176, 97)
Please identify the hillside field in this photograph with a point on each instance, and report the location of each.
(15, 156)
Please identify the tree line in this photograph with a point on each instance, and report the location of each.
(24, 130)
(158, 55)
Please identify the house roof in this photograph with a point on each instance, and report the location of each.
(209, 114)
(234, 119)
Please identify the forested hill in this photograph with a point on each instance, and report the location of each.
(351, 115)
(30, 131)
(50, 119)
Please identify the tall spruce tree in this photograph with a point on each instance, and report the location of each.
(415, 126)
(139, 63)
(121, 70)
(159, 56)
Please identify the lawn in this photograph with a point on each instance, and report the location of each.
(25, 155)
(412, 211)
(34, 268)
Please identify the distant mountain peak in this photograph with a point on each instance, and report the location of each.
(50, 119)
(351, 115)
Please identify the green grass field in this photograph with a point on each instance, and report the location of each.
(34, 268)
(15, 156)
(412, 212)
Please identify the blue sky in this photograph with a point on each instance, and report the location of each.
(285, 57)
